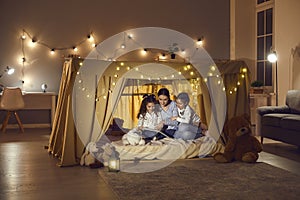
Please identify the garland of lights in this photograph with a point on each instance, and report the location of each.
(33, 41)
(172, 49)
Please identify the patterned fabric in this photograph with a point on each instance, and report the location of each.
(151, 120)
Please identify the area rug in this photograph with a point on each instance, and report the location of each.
(206, 179)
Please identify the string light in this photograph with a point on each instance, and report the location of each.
(162, 57)
(144, 52)
(200, 41)
(34, 41)
(90, 38)
(241, 76)
(130, 36)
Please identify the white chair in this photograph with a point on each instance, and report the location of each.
(12, 101)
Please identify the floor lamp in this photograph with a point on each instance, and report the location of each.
(272, 58)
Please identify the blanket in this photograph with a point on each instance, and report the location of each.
(165, 149)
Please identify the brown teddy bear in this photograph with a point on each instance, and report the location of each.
(241, 145)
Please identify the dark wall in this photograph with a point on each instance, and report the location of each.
(64, 23)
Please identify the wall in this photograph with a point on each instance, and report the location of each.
(287, 32)
(243, 36)
(286, 39)
(61, 24)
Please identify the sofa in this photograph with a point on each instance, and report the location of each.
(281, 123)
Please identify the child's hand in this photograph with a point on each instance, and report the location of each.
(203, 126)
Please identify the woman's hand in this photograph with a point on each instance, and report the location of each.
(159, 126)
(174, 118)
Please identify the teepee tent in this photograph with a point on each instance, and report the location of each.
(91, 90)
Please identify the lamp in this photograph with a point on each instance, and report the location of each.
(272, 58)
(44, 87)
(8, 70)
(114, 162)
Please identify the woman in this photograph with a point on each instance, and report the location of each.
(168, 110)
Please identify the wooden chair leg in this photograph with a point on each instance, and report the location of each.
(19, 121)
(5, 122)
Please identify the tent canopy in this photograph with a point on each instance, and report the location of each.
(91, 89)
(68, 144)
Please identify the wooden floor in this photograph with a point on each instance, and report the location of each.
(27, 171)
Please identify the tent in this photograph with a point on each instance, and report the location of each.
(65, 142)
(91, 89)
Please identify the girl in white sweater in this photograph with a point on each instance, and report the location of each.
(149, 119)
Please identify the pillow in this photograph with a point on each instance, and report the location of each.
(293, 101)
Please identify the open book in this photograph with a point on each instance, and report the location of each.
(157, 131)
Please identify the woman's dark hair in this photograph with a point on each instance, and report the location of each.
(165, 92)
(146, 99)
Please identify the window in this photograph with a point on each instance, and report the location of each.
(261, 1)
(264, 41)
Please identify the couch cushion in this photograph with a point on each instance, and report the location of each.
(293, 101)
(273, 119)
(291, 122)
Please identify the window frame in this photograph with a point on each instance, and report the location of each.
(259, 8)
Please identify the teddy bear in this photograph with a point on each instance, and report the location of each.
(133, 137)
(241, 145)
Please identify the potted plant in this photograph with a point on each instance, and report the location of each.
(257, 87)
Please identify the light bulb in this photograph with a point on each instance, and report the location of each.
(90, 38)
(10, 71)
(144, 52)
(272, 57)
(200, 41)
(44, 87)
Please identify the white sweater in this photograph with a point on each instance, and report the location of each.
(188, 115)
(151, 120)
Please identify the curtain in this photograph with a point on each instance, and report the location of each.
(64, 142)
(107, 104)
(236, 78)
